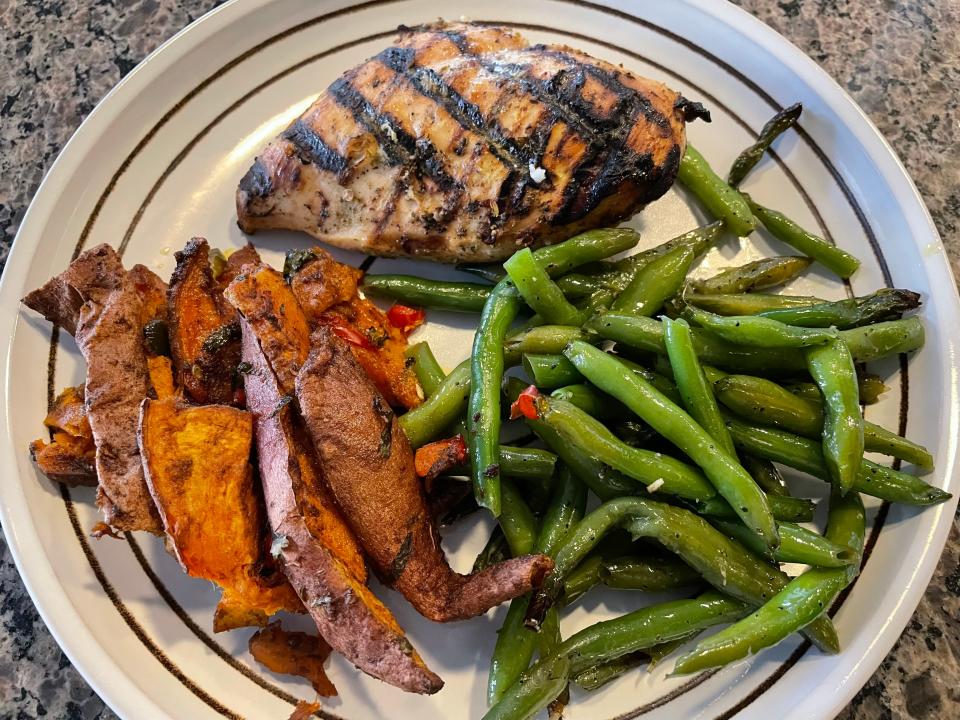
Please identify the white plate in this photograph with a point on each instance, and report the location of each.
(158, 161)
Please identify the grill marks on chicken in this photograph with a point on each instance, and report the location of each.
(460, 142)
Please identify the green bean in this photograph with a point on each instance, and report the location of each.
(594, 678)
(522, 463)
(526, 462)
(582, 578)
(800, 603)
(651, 574)
(592, 402)
(543, 340)
(658, 653)
(605, 482)
(517, 520)
(512, 652)
(764, 402)
(786, 230)
(756, 331)
(648, 627)
(566, 510)
(720, 199)
(489, 355)
(657, 281)
(423, 292)
(807, 456)
(425, 365)
(776, 126)
(867, 343)
(615, 276)
(585, 248)
(590, 435)
(515, 645)
(550, 371)
(493, 552)
(442, 407)
(871, 388)
(578, 285)
(846, 525)
(491, 272)
(797, 545)
(697, 395)
(833, 370)
(699, 240)
(884, 304)
(723, 471)
(540, 292)
(760, 274)
(720, 561)
(765, 474)
(749, 303)
(609, 640)
(536, 689)
(486, 371)
(783, 507)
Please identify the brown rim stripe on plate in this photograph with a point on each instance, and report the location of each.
(670, 696)
(127, 616)
(772, 102)
(822, 156)
(216, 648)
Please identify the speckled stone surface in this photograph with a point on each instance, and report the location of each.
(900, 59)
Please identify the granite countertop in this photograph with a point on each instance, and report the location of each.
(899, 59)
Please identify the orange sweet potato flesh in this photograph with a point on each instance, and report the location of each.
(204, 335)
(304, 710)
(327, 291)
(196, 461)
(293, 653)
(71, 455)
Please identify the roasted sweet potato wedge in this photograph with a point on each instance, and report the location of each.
(293, 653)
(348, 616)
(327, 292)
(91, 277)
(268, 305)
(369, 466)
(204, 335)
(70, 456)
(96, 300)
(236, 261)
(153, 294)
(197, 466)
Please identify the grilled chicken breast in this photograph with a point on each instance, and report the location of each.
(461, 142)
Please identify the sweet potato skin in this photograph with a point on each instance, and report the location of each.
(196, 461)
(293, 653)
(237, 260)
(71, 455)
(91, 277)
(204, 336)
(327, 291)
(96, 300)
(109, 336)
(369, 467)
(348, 616)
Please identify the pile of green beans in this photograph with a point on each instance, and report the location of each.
(679, 425)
